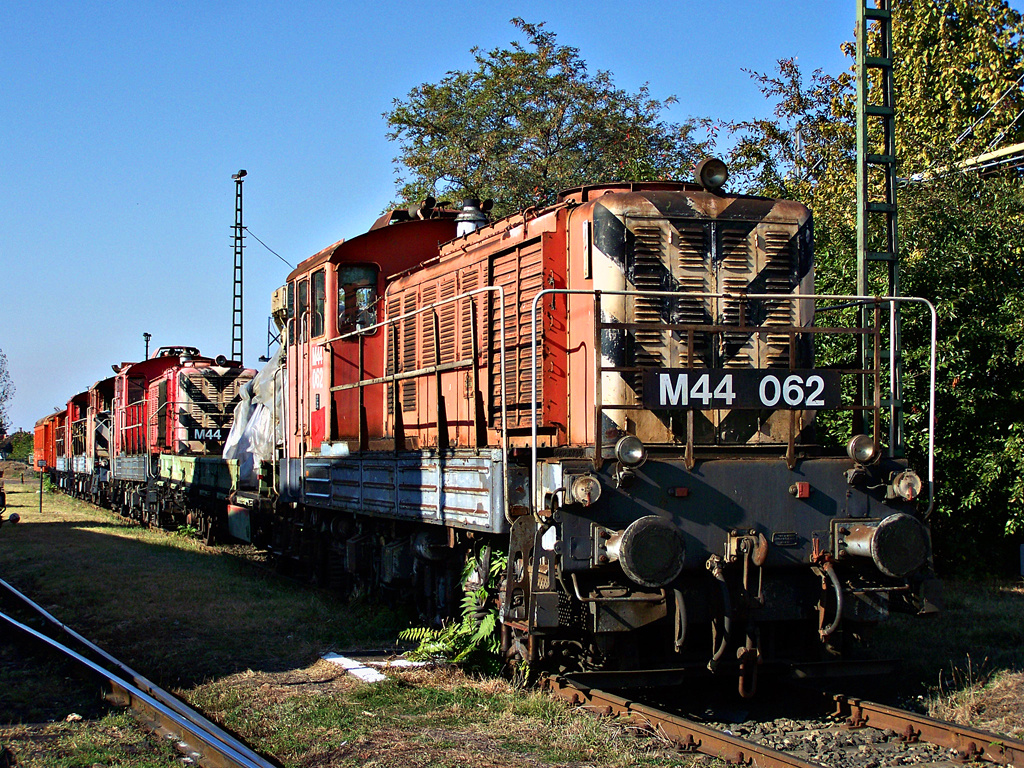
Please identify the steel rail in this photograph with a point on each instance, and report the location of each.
(969, 743)
(688, 735)
(196, 736)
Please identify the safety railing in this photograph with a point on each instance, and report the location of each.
(437, 369)
(893, 401)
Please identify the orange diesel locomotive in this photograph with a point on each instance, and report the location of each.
(617, 393)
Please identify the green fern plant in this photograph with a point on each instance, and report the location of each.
(471, 640)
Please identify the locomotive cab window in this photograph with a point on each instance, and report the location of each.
(316, 320)
(302, 310)
(357, 297)
(291, 313)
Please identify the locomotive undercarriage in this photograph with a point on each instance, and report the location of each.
(733, 623)
(790, 569)
(365, 557)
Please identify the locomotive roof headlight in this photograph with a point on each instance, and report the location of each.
(585, 489)
(862, 449)
(711, 173)
(630, 451)
(906, 485)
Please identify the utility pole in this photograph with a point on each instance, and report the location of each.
(877, 234)
(236, 306)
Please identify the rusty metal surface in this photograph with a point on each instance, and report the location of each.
(688, 735)
(969, 743)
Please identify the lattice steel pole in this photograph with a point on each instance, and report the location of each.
(236, 306)
(877, 233)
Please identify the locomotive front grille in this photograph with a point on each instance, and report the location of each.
(206, 403)
(699, 255)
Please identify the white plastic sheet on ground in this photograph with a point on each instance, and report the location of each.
(356, 668)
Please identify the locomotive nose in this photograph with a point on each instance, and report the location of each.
(650, 551)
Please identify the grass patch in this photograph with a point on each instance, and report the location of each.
(320, 716)
(966, 664)
(115, 739)
(175, 609)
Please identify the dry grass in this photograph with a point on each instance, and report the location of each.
(966, 664)
(994, 703)
(420, 717)
(112, 740)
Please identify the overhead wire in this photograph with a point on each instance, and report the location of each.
(1005, 130)
(973, 125)
(282, 258)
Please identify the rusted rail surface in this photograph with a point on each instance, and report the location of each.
(194, 735)
(688, 735)
(970, 744)
(965, 744)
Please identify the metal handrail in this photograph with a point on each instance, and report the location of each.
(395, 377)
(892, 300)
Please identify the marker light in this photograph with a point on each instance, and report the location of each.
(906, 485)
(630, 451)
(862, 449)
(585, 490)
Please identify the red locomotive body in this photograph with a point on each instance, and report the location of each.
(618, 392)
(176, 403)
(44, 445)
(332, 294)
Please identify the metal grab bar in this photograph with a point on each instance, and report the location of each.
(395, 377)
(739, 297)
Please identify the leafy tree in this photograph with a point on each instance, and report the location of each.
(957, 62)
(960, 238)
(21, 446)
(6, 393)
(528, 121)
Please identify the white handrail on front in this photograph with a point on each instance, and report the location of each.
(892, 300)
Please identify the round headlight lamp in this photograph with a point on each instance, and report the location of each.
(630, 451)
(711, 173)
(862, 449)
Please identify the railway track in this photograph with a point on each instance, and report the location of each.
(848, 732)
(194, 736)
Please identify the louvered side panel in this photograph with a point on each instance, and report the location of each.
(394, 309)
(519, 273)
(409, 340)
(505, 273)
(779, 271)
(737, 268)
(429, 353)
(531, 282)
(470, 281)
(446, 320)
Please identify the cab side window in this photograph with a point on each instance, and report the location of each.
(357, 297)
(316, 320)
(302, 310)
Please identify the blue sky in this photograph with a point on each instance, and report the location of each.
(121, 124)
